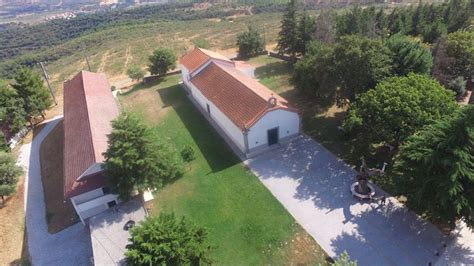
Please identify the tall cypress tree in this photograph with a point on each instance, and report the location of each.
(288, 36)
(306, 28)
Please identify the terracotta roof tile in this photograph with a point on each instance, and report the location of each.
(197, 57)
(89, 107)
(241, 98)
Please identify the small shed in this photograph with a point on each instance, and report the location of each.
(249, 115)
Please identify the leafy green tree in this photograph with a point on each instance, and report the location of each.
(36, 98)
(344, 260)
(460, 47)
(306, 29)
(250, 43)
(9, 174)
(360, 63)
(161, 61)
(288, 36)
(313, 74)
(3, 143)
(398, 107)
(434, 169)
(166, 240)
(134, 161)
(409, 55)
(12, 114)
(135, 73)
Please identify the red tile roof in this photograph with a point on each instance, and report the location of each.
(89, 107)
(197, 57)
(241, 98)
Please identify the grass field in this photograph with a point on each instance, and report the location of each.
(247, 225)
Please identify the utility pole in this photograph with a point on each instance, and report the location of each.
(88, 65)
(46, 77)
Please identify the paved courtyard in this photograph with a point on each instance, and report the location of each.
(109, 239)
(71, 246)
(314, 186)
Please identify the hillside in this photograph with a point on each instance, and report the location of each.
(113, 50)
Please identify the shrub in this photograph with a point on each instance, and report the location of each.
(135, 73)
(458, 85)
(202, 43)
(188, 154)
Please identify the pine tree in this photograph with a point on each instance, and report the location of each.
(458, 15)
(134, 161)
(9, 174)
(36, 98)
(409, 55)
(288, 36)
(435, 168)
(306, 28)
(166, 240)
(12, 114)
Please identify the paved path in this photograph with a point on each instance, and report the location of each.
(313, 185)
(71, 246)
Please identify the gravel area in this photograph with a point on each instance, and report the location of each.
(314, 186)
(71, 246)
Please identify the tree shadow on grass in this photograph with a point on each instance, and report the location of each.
(142, 85)
(273, 69)
(216, 152)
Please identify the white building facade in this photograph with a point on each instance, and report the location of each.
(251, 116)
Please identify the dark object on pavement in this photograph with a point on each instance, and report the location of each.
(128, 225)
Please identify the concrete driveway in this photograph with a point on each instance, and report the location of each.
(314, 186)
(72, 246)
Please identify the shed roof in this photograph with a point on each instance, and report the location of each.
(242, 99)
(89, 108)
(197, 57)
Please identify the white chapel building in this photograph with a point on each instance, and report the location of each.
(249, 114)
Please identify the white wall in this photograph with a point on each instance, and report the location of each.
(88, 196)
(93, 206)
(288, 124)
(185, 75)
(232, 131)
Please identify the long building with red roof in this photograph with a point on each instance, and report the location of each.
(251, 117)
(89, 108)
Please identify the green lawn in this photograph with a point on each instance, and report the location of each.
(247, 225)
